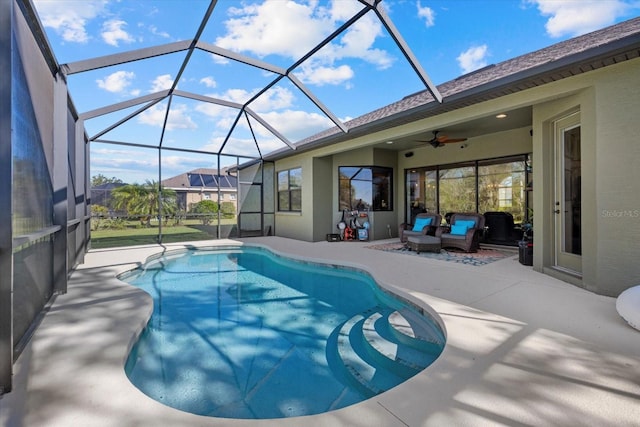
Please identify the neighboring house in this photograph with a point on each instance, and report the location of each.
(569, 113)
(203, 184)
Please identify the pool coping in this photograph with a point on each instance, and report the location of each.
(567, 359)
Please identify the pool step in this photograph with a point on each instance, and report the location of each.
(411, 329)
(389, 351)
(380, 349)
(368, 378)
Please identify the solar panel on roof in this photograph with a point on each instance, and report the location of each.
(195, 180)
(227, 181)
(209, 180)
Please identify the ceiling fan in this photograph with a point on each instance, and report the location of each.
(439, 141)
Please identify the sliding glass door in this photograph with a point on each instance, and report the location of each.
(481, 186)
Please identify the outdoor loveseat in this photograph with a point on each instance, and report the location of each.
(463, 232)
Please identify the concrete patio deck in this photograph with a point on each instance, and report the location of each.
(522, 349)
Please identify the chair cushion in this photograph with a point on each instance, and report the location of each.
(467, 223)
(459, 229)
(421, 223)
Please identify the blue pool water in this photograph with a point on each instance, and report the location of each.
(244, 333)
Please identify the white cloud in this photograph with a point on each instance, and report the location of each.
(220, 112)
(573, 18)
(162, 82)
(156, 32)
(358, 40)
(473, 58)
(274, 107)
(296, 125)
(242, 146)
(129, 165)
(427, 13)
(265, 30)
(325, 75)
(208, 81)
(116, 82)
(178, 117)
(274, 99)
(69, 18)
(113, 32)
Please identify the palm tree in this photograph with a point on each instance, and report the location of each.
(144, 201)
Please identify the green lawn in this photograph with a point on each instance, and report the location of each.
(132, 235)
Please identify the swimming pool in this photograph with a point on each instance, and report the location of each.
(240, 332)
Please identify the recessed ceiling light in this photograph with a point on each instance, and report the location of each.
(389, 142)
(501, 116)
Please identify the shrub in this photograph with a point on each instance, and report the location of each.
(205, 210)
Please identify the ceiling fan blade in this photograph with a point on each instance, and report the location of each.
(449, 141)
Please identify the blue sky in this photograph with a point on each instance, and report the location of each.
(359, 71)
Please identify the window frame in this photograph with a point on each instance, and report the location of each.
(291, 191)
(375, 202)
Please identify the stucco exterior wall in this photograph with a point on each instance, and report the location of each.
(322, 195)
(297, 225)
(617, 183)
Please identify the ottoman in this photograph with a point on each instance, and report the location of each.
(424, 243)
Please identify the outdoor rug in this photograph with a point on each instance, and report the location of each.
(480, 258)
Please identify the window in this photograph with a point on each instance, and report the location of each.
(365, 188)
(290, 190)
(423, 191)
(480, 186)
(457, 189)
(501, 186)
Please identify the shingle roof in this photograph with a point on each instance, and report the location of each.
(585, 53)
(201, 177)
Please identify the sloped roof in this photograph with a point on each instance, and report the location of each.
(201, 178)
(579, 55)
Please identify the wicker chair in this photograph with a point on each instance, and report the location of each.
(468, 241)
(406, 230)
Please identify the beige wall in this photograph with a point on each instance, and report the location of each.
(323, 190)
(297, 225)
(617, 182)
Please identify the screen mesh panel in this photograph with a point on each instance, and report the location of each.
(32, 189)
